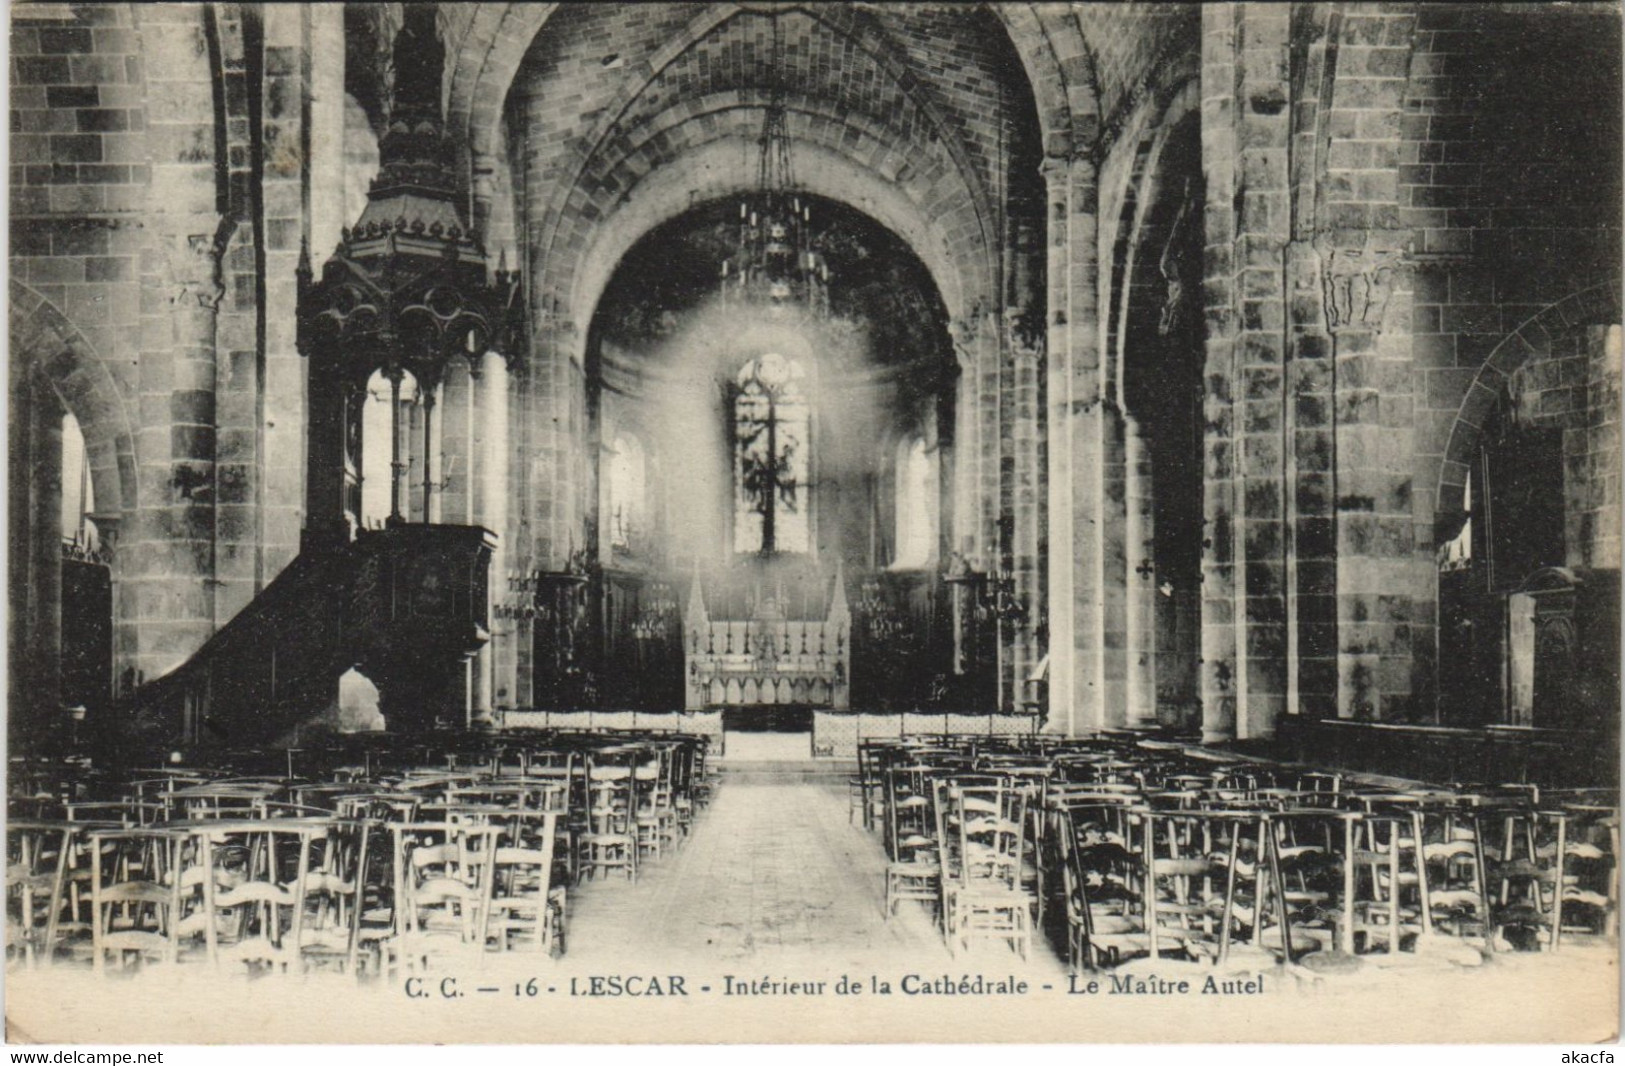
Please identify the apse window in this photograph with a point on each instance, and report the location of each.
(628, 487)
(772, 430)
(916, 505)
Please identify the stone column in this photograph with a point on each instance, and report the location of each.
(1376, 558)
(507, 514)
(1218, 682)
(1026, 509)
(35, 557)
(1246, 126)
(461, 465)
(1075, 425)
(170, 608)
(1311, 448)
(300, 197)
(167, 606)
(966, 536)
(1141, 580)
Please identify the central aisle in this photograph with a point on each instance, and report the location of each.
(774, 874)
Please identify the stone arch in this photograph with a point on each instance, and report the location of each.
(1067, 119)
(484, 58)
(555, 217)
(42, 338)
(488, 43)
(922, 215)
(1595, 305)
(1139, 191)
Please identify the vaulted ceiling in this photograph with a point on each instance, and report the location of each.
(930, 117)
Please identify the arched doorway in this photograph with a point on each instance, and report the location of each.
(61, 583)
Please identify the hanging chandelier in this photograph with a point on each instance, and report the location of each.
(776, 263)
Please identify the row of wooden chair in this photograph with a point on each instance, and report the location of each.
(1151, 851)
(358, 872)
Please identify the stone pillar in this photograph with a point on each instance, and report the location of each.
(1075, 425)
(1246, 126)
(19, 486)
(35, 556)
(966, 538)
(505, 514)
(1376, 558)
(1218, 681)
(1141, 580)
(1598, 542)
(300, 197)
(1311, 448)
(1026, 509)
(1262, 231)
(167, 603)
(461, 465)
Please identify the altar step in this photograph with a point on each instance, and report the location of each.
(785, 771)
(742, 746)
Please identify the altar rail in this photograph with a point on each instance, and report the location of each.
(703, 723)
(838, 734)
(1497, 754)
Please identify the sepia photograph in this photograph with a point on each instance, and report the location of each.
(813, 523)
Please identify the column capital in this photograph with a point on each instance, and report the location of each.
(1064, 167)
(1356, 284)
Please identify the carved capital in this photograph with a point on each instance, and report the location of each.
(194, 272)
(1356, 284)
(967, 333)
(1024, 334)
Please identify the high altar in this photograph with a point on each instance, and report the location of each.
(767, 658)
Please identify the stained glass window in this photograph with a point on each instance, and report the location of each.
(772, 423)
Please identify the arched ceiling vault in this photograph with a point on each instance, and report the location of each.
(851, 88)
(487, 43)
(908, 100)
(841, 156)
(711, 170)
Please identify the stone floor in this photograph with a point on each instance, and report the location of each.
(774, 873)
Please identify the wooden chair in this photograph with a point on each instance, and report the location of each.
(984, 896)
(524, 909)
(335, 896)
(253, 878)
(608, 842)
(135, 896)
(655, 815)
(1103, 879)
(439, 893)
(37, 855)
(914, 865)
(1588, 871)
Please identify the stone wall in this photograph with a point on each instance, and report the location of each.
(1410, 211)
(1379, 191)
(165, 171)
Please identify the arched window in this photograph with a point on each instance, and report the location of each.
(916, 504)
(772, 446)
(78, 499)
(1457, 552)
(628, 493)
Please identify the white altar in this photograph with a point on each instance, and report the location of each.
(767, 658)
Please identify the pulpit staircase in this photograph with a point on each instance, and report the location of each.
(405, 605)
